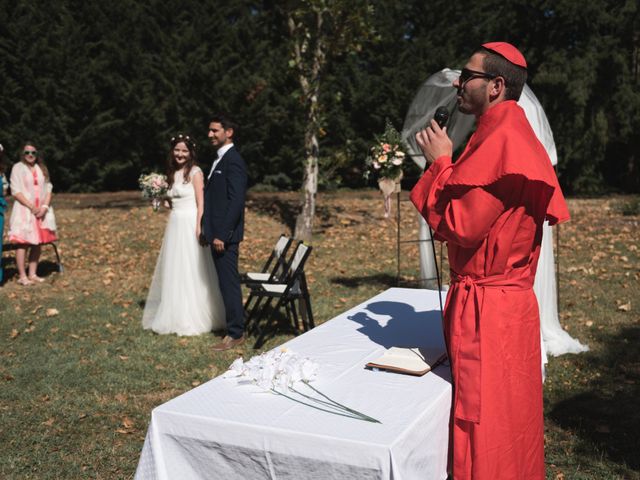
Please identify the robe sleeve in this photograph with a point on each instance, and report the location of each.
(462, 215)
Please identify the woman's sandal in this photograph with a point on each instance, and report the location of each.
(24, 282)
(35, 278)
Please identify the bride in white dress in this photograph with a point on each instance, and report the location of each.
(184, 296)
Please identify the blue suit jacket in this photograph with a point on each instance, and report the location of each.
(224, 195)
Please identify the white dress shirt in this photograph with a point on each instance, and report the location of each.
(221, 151)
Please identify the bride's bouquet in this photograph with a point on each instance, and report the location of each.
(153, 186)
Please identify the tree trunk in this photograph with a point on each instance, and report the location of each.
(304, 221)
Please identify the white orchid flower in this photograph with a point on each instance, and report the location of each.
(235, 370)
(309, 369)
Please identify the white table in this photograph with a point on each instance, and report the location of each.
(226, 431)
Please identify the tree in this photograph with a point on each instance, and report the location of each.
(320, 30)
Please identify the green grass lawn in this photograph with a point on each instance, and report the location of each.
(79, 377)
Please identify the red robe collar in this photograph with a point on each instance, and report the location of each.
(505, 144)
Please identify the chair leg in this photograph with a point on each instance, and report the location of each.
(271, 323)
(307, 303)
(303, 313)
(261, 332)
(249, 318)
(55, 249)
(248, 302)
(247, 311)
(254, 322)
(296, 320)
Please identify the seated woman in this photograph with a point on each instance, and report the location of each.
(32, 221)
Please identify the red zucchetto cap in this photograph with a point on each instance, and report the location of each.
(508, 51)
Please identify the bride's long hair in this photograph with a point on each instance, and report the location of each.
(173, 166)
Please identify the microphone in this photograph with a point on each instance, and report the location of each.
(441, 116)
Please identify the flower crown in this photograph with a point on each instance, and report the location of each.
(183, 138)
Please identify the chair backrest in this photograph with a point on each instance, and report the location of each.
(295, 267)
(281, 245)
(277, 257)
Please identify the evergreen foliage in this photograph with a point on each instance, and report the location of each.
(101, 86)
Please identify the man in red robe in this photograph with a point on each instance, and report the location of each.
(489, 207)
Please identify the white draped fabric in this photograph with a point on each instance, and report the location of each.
(229, 431)
(436, 91)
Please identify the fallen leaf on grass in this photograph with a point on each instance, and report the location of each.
(195, 383)
(559, 476)
(51, 312)
(127, 423)
(82, 416)
(123, 357)
(35, 310)
(589, 323)
(14, 333)
(73, 335)
(626, 307)
(8, 377)
(49, 422)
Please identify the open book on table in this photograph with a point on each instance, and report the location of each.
(413, 361)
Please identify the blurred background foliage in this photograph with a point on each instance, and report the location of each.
(101, 86)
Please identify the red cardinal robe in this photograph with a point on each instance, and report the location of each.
(489, 207)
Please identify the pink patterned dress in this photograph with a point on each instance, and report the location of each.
(24, 227)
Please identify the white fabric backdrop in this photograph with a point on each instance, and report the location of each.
(437, 90)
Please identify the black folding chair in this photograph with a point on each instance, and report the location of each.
(273, 270)
(270, 273)
(14, 246)
(292, 289)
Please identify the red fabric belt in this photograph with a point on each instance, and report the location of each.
(463, 308)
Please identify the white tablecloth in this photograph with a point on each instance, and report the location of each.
(223, 430)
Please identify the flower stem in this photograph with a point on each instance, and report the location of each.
(321, 409)
(364, 417)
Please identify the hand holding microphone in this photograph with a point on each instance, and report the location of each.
(433, 139)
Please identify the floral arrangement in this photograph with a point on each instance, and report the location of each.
(387, 155)
(153, 186)
(283, 372)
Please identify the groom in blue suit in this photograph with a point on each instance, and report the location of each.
(223, 223)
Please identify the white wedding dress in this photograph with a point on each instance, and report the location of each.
(184, 296)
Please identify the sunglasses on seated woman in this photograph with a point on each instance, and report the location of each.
(30, 152)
